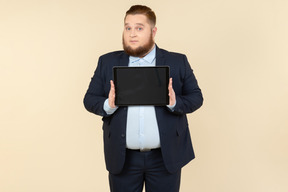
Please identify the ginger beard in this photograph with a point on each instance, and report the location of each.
(140, 51)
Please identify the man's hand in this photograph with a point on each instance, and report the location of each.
(111, 96)
(172, 97)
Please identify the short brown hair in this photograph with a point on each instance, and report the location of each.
(144, 10)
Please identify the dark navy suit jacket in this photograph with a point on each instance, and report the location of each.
(176, 145)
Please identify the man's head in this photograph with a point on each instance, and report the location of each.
(139, 31)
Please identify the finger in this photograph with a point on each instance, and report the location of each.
(170, 84)
(112, 84)
(112, 88)
(112, 95)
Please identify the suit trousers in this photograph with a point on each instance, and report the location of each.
(144, 168)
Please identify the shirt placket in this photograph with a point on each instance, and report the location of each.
(141, 127)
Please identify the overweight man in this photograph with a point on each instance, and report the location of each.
(144, 145)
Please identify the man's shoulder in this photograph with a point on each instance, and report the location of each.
(114, 54)
(170, 53)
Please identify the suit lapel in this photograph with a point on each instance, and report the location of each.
(124, 59)
(160, 59)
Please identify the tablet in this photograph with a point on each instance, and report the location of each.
(141, 85)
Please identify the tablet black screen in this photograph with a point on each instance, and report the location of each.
(141, 85)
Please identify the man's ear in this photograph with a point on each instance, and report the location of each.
(154, 30)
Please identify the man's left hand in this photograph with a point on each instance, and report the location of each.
(172, 97)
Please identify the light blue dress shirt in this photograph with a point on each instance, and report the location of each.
(142, 129)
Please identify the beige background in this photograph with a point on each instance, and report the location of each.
(50, 48)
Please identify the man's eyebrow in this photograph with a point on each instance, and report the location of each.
(136, 24)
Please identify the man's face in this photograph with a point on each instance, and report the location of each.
(138, 35)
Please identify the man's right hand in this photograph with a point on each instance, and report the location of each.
(111, 97)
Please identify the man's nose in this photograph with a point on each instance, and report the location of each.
(133, 33)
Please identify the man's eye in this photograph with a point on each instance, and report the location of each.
(128, 28)
(140, 28)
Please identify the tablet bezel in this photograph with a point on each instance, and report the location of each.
(163, 101)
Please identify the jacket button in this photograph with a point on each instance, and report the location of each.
(123, 135)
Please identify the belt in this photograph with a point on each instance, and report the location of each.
(143, 150)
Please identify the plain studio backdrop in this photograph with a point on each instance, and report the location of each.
(49, 50)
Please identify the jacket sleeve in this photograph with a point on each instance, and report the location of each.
(95, 96)
(190, 98)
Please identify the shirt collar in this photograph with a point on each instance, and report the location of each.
(149, 57)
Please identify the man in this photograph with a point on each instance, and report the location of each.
(144, 144)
